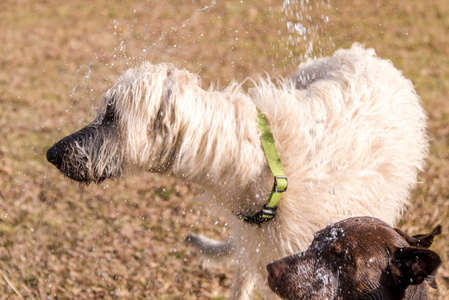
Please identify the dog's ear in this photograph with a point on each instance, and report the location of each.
(416, 265)
(425, 240)
(421, 240)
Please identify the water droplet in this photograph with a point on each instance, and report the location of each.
(300, 28)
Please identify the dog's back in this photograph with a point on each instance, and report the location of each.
(351, 138)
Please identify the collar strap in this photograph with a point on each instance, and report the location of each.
(280, 180)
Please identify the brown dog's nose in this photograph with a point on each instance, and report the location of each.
(276, 269)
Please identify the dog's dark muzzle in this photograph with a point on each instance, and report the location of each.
(56, 153)
(67, 157)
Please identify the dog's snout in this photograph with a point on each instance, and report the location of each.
(75, 155)
(276, 269)
(59, 151)
(54, 155)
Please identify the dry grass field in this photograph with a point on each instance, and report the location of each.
(125, 239)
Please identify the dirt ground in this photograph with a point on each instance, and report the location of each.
(125, 239)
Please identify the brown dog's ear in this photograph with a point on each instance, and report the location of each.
(416, 265)
(421, 240)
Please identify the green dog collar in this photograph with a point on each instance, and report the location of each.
(280, 180)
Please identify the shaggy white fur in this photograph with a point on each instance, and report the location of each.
(349, 129)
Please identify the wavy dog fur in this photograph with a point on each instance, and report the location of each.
(349, 129)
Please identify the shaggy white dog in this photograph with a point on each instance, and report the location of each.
(349, 129)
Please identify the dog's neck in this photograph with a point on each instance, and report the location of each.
(219, 146)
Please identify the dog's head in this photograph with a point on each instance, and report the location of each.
(134, 128)
(357, 258)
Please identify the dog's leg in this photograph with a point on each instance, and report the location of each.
(243, 285)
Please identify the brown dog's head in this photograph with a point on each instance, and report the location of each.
(357, 258)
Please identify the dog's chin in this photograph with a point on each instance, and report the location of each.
(101, 179)
(86, 179)
(80, 177)
(314, 290)
(286, 289)
(310, 281)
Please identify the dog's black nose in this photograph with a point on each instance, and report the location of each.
(54, 156)
(276, 269)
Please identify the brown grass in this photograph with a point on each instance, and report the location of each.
(125, 239)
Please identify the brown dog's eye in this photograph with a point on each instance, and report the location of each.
(337, 249)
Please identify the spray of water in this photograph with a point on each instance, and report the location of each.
(171, 29)
(306, 22)
(135, 40)
(127, 53)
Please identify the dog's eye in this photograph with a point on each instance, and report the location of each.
(109, 115)
(337, 249)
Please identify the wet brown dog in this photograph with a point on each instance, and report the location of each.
(358, 258)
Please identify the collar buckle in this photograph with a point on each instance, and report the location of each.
(266, 214)
(276, 184)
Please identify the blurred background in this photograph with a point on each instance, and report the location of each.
(125, 239)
